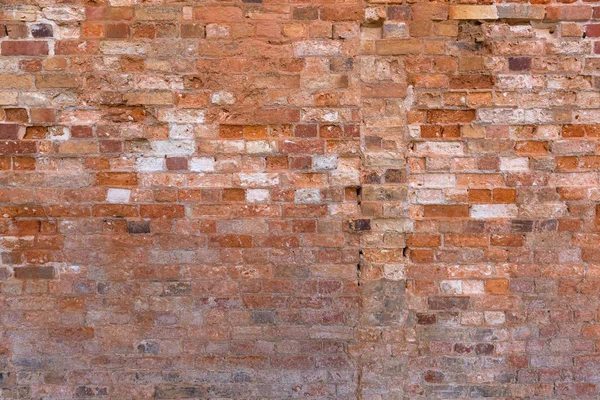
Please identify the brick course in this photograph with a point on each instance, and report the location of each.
(251, 199)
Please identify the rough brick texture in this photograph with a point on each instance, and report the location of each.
(253, 199)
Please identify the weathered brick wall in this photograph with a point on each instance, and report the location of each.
(361, 200)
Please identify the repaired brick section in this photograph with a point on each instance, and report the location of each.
(229, 200)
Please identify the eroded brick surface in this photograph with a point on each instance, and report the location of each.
(252, 199)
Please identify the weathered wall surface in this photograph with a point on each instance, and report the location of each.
(380, 200)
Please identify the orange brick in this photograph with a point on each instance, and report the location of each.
(496, 286)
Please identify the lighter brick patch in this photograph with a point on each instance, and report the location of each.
(202, 164)
(345, 178)
(494, 317)
(122, 48)
(64, 13)
(493, 211)
(261, 146)
(325, 162)
(514, 164)
(173, 147)
(394, 272)
(258, 179)
(307, 196)
(181, 131)
(325, 115)
(118, 196)
(448, 148)
(318, 48)
(473, 287)
(217, 31)
(257, 195)
(473, 12)
(439, 180)
(451, 287)
(222, 98)
(182, 116)
(59, 133)
(150, 164)
(8, 98)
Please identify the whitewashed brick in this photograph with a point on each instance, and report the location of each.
(150, 164)
(473, 287)
(222, 97)
(202, 164)
(325, 162)
(173, 147)
(451, 287)
(494, 211)
(181, 131)
(118, 196)
(307, 196)
(257, 195)
(182, 116)
(257, 179)
(514, 164)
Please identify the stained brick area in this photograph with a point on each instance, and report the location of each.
(267, 200)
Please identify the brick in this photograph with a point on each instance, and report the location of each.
(56, 81)
(429, 11)
(9, 131)
(116, 31)
(71, 334)
(496, 286)
(494, 211)
(162, 211)
(568, 13)
(446, 211)
(519, 63)
(24, 48)
(485, 12)
(34, 272)
(592, 30)
(16, 81)
(521, 12)
(392, 47)
(305, 13)
(342, 13)
(258, 192)
(448, 303)
(312, 48)
(42, 30)
(116, 179)
(138, 227)
(450, 116)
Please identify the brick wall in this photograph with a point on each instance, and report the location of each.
(249, 200)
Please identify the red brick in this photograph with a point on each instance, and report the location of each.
(37, 272)
(177, 163)
(116, 179)
(24, 48)
(425, 202)
(446, 211)
(162, 211)
(117, 31)
(569, 13)
(450, 116)
(9, 131)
